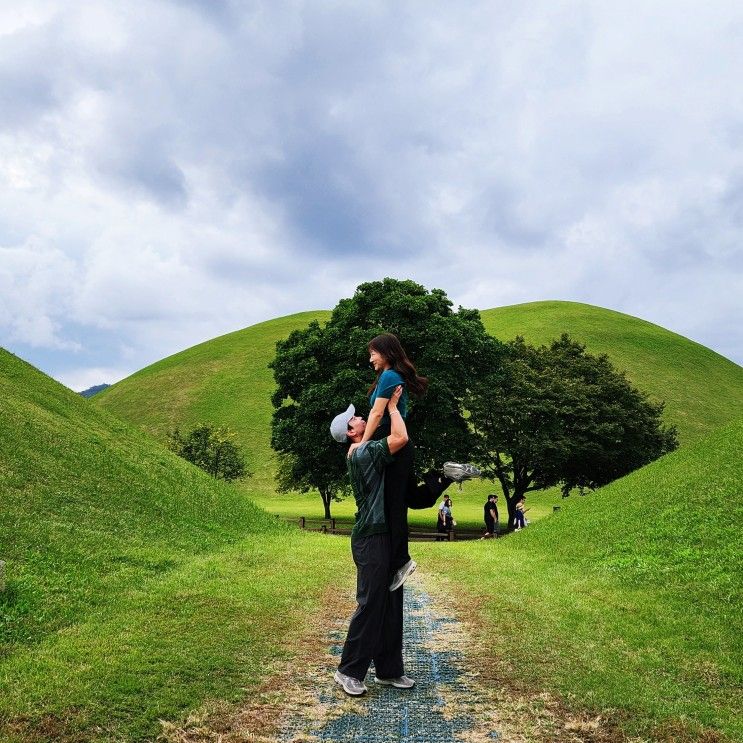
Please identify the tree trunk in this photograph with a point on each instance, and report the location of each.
(511, 502)
(511, 505)
(325, 495)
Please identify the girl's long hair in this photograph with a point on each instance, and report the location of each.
(389, 346)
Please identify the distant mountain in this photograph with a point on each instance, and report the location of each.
(94, 390)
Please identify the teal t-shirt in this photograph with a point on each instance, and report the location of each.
(388, 380)
(366, 470)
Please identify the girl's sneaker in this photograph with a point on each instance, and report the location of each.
(460, 472)
(403, 574)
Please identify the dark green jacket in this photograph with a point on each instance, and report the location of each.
(366, 470)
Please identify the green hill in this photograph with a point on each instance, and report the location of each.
(629, 598)
(132, 577)
(702, 389)
(140, 589)
(227, 380)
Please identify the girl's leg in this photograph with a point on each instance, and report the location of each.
(396, 479)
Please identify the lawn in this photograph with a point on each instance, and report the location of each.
(628, 599)
(138, 587)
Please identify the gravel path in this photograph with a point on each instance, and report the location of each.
(427, 713)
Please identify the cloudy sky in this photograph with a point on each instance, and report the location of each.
(171, 171)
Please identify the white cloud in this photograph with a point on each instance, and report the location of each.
(81, 379)
(173, 171)
(36, 285)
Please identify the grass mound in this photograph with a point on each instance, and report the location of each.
(629, 598)
(138, 587)
(702, 390)
(227, 381)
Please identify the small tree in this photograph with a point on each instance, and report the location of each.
(212, 449)
(558, 415)
(320, 370)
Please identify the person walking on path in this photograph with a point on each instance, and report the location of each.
(491, 515)
(445, 522)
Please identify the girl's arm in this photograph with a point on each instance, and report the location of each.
(375, 415)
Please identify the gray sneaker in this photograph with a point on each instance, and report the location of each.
(403, 574)
(460, 472)
(401, 682)
(350, 685)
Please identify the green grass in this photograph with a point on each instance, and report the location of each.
(138, 587)
(629, 598)
(227, 381)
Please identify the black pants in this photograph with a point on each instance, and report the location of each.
(399, 478)
(375, 632)
(443, 527)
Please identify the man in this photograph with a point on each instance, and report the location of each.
(491, 516)
(375, 630)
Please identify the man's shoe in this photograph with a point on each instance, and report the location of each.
(401, 682)
(350, 685)
(403, 574)
(461, 472)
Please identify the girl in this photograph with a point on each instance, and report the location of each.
(519, 520)
(394, 368)
(445, 522)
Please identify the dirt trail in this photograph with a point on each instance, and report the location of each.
(454, 699)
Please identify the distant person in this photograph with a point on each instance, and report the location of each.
(445, 522)
(519, 520)
(490, 514)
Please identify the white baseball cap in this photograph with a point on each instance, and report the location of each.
(339, 426)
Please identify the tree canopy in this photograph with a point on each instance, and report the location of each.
(531, 417)
(321, 369)
(559, 415)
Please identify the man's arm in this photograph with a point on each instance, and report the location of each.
(398, 431)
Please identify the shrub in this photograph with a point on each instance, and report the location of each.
(212, 449)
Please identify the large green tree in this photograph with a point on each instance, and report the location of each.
(557, 415)
(321, 369)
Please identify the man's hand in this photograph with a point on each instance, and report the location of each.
(396, 395)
